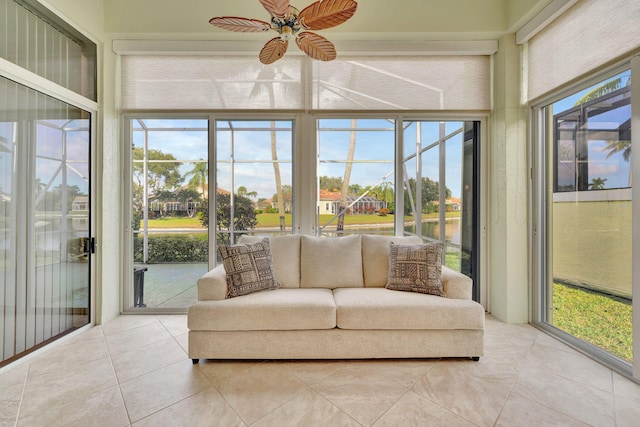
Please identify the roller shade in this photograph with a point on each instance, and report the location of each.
(210, 82)
(298, 83)
(405, 83)
(587, 36)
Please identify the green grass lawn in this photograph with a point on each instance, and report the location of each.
(599, 319)
(270, 220)
(174, 222)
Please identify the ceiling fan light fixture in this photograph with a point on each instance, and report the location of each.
(289, 22)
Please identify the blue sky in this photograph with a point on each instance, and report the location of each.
(375, 141)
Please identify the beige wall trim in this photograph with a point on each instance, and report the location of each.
(390, 48)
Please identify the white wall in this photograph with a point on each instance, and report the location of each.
(508, 198)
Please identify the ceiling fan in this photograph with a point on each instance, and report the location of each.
(289, 22)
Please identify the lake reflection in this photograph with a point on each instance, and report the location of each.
(430, 229)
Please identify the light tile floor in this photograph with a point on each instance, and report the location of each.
(134, 371)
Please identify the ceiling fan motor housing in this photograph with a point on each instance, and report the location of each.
(288, 26)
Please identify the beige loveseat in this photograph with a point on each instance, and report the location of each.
(332, 304)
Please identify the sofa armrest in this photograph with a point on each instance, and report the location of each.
(456, 285)
(213, 285)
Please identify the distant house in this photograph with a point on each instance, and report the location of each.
(265, 204)
(80, 220)
(329, 204)
(453, 204)
(287, 204)
(80, 203)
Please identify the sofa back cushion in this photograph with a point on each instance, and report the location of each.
(331, 262)
(375, 257)
(285, 251)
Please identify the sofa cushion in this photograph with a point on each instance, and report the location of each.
(330, 262)
(284, 309)
(285, 251)
(416, 268)
(375, 257)
(380, 308)
(249, 268)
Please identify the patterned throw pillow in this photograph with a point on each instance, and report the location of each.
(416, 268)
(249, 268)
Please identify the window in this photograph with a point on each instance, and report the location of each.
(349, 187)
(254, 178)
(356, 176)
(39, 41)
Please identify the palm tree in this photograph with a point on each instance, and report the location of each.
(597, 183)
(347, 175)
(265, 81)
(601, 90)
(619, 146)
(242, 191)
(199, 175)
(385, 193)
(276, 172)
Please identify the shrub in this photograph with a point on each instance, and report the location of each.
(177, 248)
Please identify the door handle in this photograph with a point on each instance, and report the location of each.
(90, 245)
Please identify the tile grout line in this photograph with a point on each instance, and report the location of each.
(543, 404)
(615, 400)
(24, 388)
(323, 397)
(409, 389)
(221, 394)
(174, 337)
(115, 374)
(447, 409)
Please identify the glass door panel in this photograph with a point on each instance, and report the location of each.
(45, 199)
(589, 263)
(169, 182)
(440, 168)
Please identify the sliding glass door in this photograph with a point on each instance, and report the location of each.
(441, 182)
(45, 227)
(586, 209)
(169, 184)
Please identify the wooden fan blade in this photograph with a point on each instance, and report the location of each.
(326, 14)
(316, 46)
(277, 8)
(273, 50)
(240, 25)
